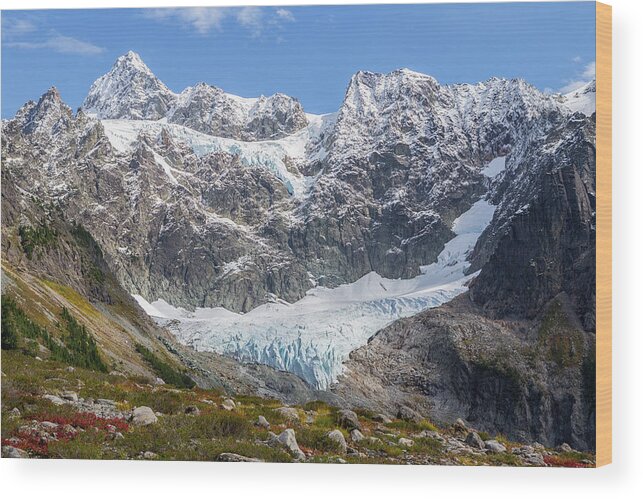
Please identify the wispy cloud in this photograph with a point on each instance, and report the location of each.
(207, 19)
(25, 33)
(61, 44)
(202, 19)
(252, 19)
(587, 74)
(285, 14)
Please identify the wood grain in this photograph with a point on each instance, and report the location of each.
(603, 234)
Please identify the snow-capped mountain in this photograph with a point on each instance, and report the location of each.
(131, 91)
(205, 200)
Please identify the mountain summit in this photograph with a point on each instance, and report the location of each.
(129, 91)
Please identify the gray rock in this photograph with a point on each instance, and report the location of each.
(382, 418)
(228, 405)
(262, 422)
(13, 452)
(15, 413)
(564, 447)
(143, 416)
(70, 369)
(230, 457)
(54, 399)
(48, 425)
(288, 440)
(192, 410)
(474, 440)
(149, 455)
(159, 381)
(460, 425)
(405, 413)
(108, 402)
(338, 437)
(406, 442)
(71, 396)
(348, 419)
(290, 413)
(356, 435)
(494, 446)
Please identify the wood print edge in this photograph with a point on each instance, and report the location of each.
(603, 234)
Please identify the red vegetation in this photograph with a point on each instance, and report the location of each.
(562, 462)
(36, 440)
(84, 420)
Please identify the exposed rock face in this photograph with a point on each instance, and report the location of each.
(542, 239)
(210, 110)
(530, 380)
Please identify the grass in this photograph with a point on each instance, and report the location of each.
(203, 437)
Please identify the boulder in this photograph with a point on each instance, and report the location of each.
(231, 457)
(262, 422)
(460, 425)
(405, 413)
(70, 396)
(382, 418)
(70, 369)
(348, 419)
(143, 416)
(192, 410)
(474, 440)
(406, 442)
(356, 435)
(13, 452)
(228, 405)
(494, 446)
(564, 447)
(54, 399)
(288, 440)
(14, 413)
(338, 437)
(290, 413)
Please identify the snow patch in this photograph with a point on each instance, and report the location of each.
(495, 167)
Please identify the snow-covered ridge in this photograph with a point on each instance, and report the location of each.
(269, 154)
(131, 91)
(582, 100)
(313, 336)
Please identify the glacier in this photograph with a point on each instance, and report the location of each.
(314, 336)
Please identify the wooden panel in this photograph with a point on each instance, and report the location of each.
(603, 234)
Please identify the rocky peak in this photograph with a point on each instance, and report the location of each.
(129, 90)
(48, 116)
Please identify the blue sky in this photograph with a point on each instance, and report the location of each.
(306, 52)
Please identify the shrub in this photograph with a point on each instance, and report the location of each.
(164, 370)
(38, 236)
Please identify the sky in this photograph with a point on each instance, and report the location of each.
(307, 52)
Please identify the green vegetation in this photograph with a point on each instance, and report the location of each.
(164, 370)
(205, 435)
(39, 236)
(559, 339)
(75, 346)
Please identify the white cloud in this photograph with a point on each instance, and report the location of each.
(12, 27)
(587, 75)
(577, 59)
(285, 14)
(206, 19)
(251, 18)
(61, 44)
(202, 19)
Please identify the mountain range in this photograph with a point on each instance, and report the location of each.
(426, 245)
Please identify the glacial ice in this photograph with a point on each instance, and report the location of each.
(313, 336)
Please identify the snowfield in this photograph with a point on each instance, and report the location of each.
(313, 336)
(267, 154)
